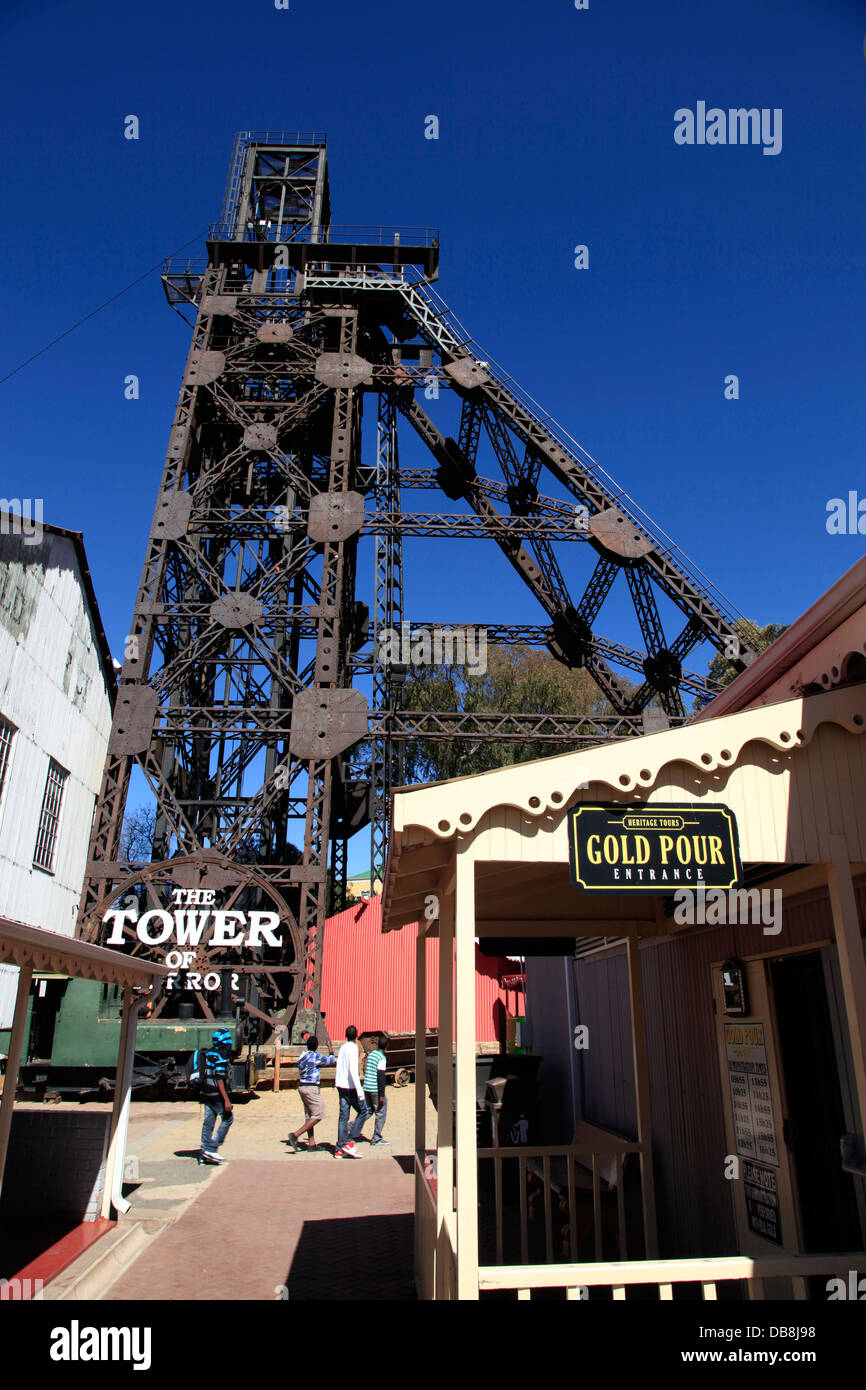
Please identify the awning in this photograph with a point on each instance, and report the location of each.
(770, 765)
(48, 952)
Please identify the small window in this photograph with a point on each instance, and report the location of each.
(7, 733)
(49, 818)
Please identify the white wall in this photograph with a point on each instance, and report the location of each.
(53, 689)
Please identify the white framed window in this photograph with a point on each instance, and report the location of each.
(49, 818)
(7, 733)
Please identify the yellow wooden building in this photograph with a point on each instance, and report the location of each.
(783, 750)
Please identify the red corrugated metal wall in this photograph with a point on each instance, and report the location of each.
(368, 978)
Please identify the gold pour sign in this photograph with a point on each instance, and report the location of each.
(652, 849)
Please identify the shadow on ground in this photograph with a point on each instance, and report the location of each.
(354, 1258)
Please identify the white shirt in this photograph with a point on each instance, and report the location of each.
(347, 1078)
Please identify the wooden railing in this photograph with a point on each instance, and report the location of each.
(568, 1169)
(425, 1234)
(577, 1279)
(446, 1259)
(435, 1249)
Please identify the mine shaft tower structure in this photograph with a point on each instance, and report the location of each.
(238, 699)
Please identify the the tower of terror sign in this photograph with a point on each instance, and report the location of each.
(193, 921)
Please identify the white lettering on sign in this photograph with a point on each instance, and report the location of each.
(207, 926)
(224, 934)
(204, 927)
(188, 928)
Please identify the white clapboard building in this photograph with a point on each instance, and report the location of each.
(57, 689)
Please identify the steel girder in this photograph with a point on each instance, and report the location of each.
(386, 765)
(236, 700)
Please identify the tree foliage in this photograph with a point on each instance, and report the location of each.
(518, 680)
(722, 670)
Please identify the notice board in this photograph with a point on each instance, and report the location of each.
(762, 1200)
(751, 1098)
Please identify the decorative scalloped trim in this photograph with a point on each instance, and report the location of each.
(707, 747)
(830, 679)
(46, 961)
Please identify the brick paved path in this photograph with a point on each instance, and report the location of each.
(325, 1231)
(270, 1218)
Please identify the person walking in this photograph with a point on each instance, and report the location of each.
(310, 1064)
(374, 1087)
(215, 1097)
(348, 1084)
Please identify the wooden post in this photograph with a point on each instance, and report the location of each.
(467, 1145)
(13, 1062)
(641, 1086)
(277, 1058)
(445, 1102)
(425, 1248)
(852, 966)
(420, 1043)
(120, 1107)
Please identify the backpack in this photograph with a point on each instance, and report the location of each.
(196, 1070)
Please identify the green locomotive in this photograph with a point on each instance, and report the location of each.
(73, 1031)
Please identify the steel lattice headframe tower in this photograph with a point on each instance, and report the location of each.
(238, 701)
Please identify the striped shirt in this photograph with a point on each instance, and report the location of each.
(310, 1064)
(375, 1064)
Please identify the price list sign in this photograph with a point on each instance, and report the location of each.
(751, 1101)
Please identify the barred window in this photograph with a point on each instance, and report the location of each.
(49, 818)
(7, 733)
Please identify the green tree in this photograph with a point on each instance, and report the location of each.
(518, 680)
(722, 670)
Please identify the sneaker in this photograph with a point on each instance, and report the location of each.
(292, 1141)
(219, 1158)
(207, 1158)
(347, 1151)
(380, 1140)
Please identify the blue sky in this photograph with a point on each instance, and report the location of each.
(556, 129)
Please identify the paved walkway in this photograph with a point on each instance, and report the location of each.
(299, 1230)
(270, 1224)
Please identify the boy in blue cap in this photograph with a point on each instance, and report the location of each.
(215, 1096)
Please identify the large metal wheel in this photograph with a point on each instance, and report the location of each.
(265, 983)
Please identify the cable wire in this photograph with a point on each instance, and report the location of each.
(160, 263)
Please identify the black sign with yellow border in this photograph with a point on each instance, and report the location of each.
(653, 849)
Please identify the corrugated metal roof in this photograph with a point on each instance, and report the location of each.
(368, 977)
